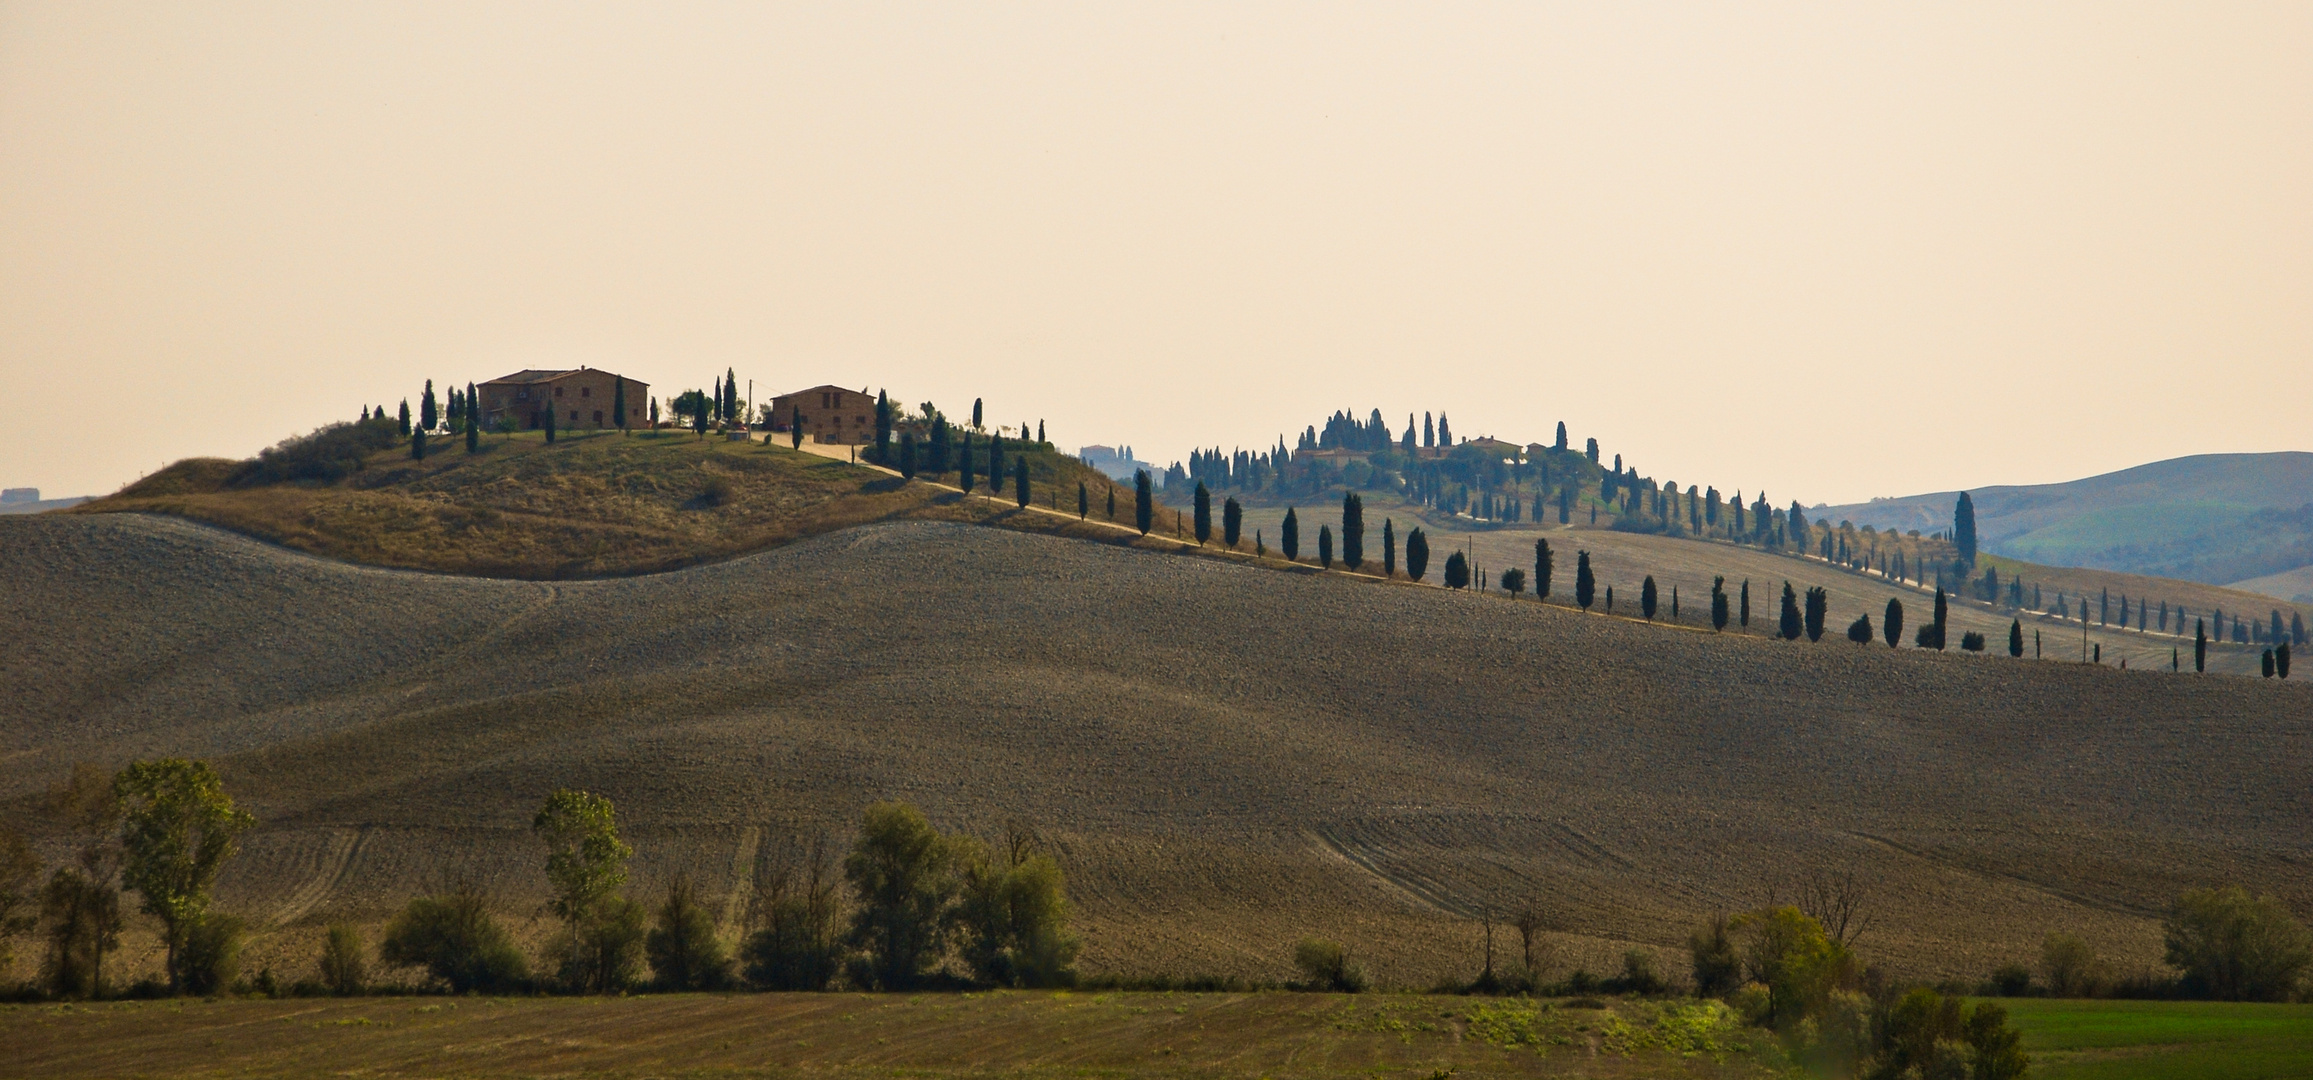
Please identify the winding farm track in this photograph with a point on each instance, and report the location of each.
(1226, 759)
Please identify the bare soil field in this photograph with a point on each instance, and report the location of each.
(1225, 758)
(1285, 1036)
(1624, 560)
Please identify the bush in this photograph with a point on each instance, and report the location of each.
(2068, 966)
(344, 966)
(328, 454)
(715, 492)
(602, 952)
(1325, 965)
(2010, 980)
(2235, 947)
(1972, 641)
(454, 938)
(1859, 631)
(1927, 1034)
(684, 952)
(1014, 915)
(212, 956)
(1717, 970)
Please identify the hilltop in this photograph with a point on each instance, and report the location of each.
(1225, 758)
(2215, 518)
(593, 504)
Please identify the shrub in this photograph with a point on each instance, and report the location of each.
(2010, 980)
(1639, 975)
(1972, 641)
(1927, 1034)
(328, 454)
(344, 968)
(602, 952)
(2068, 966)
(683, 950)
(2235, 947)
(1014, 915)
(1717, 970)
(211, 957)
(454, 938)
(1859, 631)
(715, 492)
(1325, 965)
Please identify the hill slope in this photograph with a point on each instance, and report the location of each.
(1225, 758)
(2215, 518)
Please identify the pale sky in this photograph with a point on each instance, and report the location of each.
(1836, 250)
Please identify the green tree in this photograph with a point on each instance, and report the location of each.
(1112, 504)
(730, 395)
(1542, 568)
(177, 829)
(1144, 501)
(1818, 610)
(211, 959)
(1232, 523)
(2068, 966)
(2200, 645)
(1792, 624)
(1942, 611)
(902, 878)
(1352, 530)
(473, 423)
(1743, 610)
(797, 946)
(402, 420)
(1014, 914)
(1718, 970)
(1020, 481)
(684, 952)
(2016, 637)
(455, 939)
(1718, 603)
(1325, 546)
(795, 430)
(1325, 965)
(1892, 623)
(1859, 631)
(585, 867)
(964, 468)
(1646, 598)
(2236, 947)
(976, 425)
(1388, 548)
(1964, 530)
(79, 907)
(1292, 536)
(1417, 554)
(1457, 571)
(995, 465)
(429, 414)
(418, 445)
(907, 456)
(1084, 501)
(618, 403)
(344, 960)
(1203, 514)
(1585, 584)
(1787, 952)
(882, 427)
(1514, 582)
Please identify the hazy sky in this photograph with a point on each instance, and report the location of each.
(1839, 250)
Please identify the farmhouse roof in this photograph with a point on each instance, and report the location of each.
(539, 375)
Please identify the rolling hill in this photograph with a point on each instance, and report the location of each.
(1225, 758)
(2215, 518)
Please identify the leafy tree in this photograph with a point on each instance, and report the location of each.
(1818, 610)
(1232, 523)
(19, 892)
(1143, 501)
(797, 946)
(1325, 965)
(212, 955)
(1020, 481)
(1646, 597)
(585, 867)
(1793, 624)
(1514, 582)
(1859, 631)
(1789, 954)
(1718, 603)
(1203, 527)
(1292, 536)
(2016, 637)
(1718, 970)
(1417, 554)
(1325, 546)
(902, 876)
(683, 950)
(2068, 966)
(1014, 913)
(1542, 567)
(2235, 947)
(1892, 622)
(1585, 584)
(455, 939)
(1352, 530)
(702, 412)
(177, 829)
(1457, 571)
(79, 907)
(344, 960)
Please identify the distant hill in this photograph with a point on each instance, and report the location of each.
(2223, 519)
(35, 506)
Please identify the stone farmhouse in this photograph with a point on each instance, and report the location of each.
(829, 414)
(580, 398)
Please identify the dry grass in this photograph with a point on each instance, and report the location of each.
(1286, 1036)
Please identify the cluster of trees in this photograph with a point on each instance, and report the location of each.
(2221, 944)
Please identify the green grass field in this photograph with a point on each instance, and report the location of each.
(2164, 1040)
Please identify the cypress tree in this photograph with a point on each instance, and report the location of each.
(1388, 547)
(418, 445)
(2296, 628)
(882, 427)
(1939, 624)
(703, 415)
(907, 456)
(1143, 494)
(1744, 612)
(403, 422)
(1083, 501)
(2200, 645)
(2278, 634)
(1541, 569)
(618, 403)
(1457, 571)
(550, 425)
(1204, 512)
(1818, 610)
(1325, 546)
(1610, 598)
(1232, 523)
(996, 464)
(1417, 554)
(1793, 624)
(1891, 623)
(1352, 530)
(1112, 502)
(2268, 661)
(1646, 598)
(473, 424)
(976, 425)
(1291, 536)
(1562, 435)
(795, 431)
(428, 414)
(2281, 659)
(964, 471)
(1040, 433)
(1718, 604)
(730, 395)
(1964, 529)
(2016, 637)
(1020, 481)
(1674, 603)
(1585, 583)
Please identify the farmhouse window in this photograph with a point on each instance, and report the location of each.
(598, 417)
(522, 394)
(586, 391)
(574, 416)
(557, 391)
